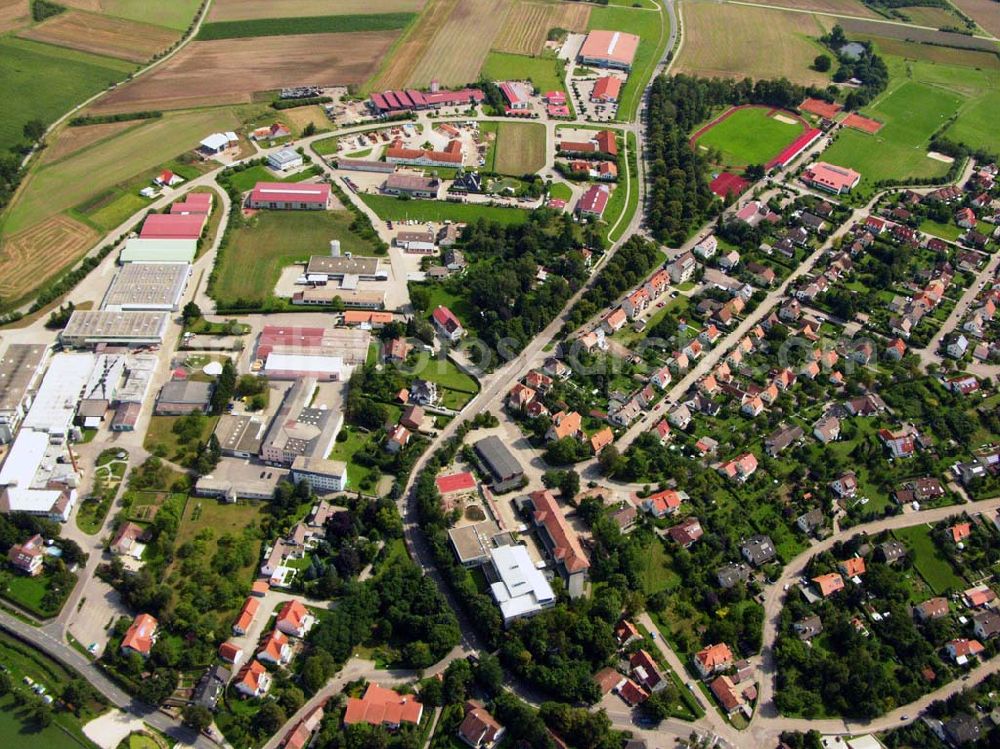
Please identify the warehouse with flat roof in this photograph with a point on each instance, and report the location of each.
(326, 268)
(609, 49)
(240, 435)
(159, 251)
(20, 370)
(147, 286)
(133, 328)
(290, 196)
(495, 459)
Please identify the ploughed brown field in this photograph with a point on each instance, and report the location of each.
(234, 10)
(13, 14)
(229, 71)
(103, 35)
(984, 12)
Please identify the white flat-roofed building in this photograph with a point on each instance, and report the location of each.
(147, 286)
(159, 251)
(33, 481)
(133, 328)
(20, 371)
(521, 589)
(292, 366)
(54, 407)
(139, 370)
(322, 474)
(284, 160)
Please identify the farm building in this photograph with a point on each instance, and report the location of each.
(285, 159)
(194, 202)
(516, 94)
(609, 49)
(452, 155)
(172, 226)
(147, 286)
(218, 142)
(594, 201)
(365, 165)
(132, 328)
(283, 196)
(607, 89)
(412, 185)
(159, 251)
(835, 179)
(390, 102)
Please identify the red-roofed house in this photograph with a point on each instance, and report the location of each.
(713, 659)
(644, 669)
(253, 680)
(383, 707)
(632, 693)
(601, 440)
(447, 324)
(290, 196)
(829, 584)
(607, 89)
(28, 556)
(294, 619)
(230, 652)
(167, 178)
(245, 618)
(960, 531)
(835, 179)
(594, 201)
(607, 142)
(141, 635)
(853, 567)
(739, 468)
(479, 729)
(663, 503)
(560, 541)
(687, 532)
(564, 425)
(275, 649)
(962, 649)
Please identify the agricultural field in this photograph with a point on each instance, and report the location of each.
(411, 47)
(983, 12)
(389, 208)
(837, 7)
(298, 118)
(457, 50)
(70, 77)
(174, 14)
(736, 41)
(233, 10)
(230, 71)
(14, 14)
(546, 72)
(528, 23)
(933, 53)
(91, 171)
(749, 136)
(103, 35)
(34, 255)
(653, 28)
(520, 148)
(341, 24)
(250, 266)
(72, 139)
(911, 113)
(859, 26)
(934, 17)
(977, 124)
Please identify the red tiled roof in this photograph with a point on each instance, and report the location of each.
(172, 226)
(139, 636)
(290, 192)
(567, 546)
(382, 706)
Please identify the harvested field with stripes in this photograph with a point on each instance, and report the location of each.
(738, 41)
(854, 26)
(103, 35)
(13, 14)
(528, 23)
(238, 10)
(412, 46)
(229, 71)
(30, 257)
(983, 12)
(457, 51)
(72, 139)
(845, 7)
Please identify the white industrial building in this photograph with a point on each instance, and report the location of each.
(54, 407)
(147, 286)
(322, 474)
(284, 160)
(132, 328)
(521, 589)
(34, 481)
(280, 366)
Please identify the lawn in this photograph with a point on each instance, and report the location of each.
(546, 73)
(161, 440)
(976, 124)
(749, 136)
(912, 113)
(175, 14)
(623, 202)
(561, 191)
(657, 574)
(945, 231)
(520, 148)
(455, 387)
(928, 559)
(65, 732)
(245, 180)
(251, 264)
(653, 29)
(303, 25)
(209, 514)
(92, 171)
(393, 209)
(69, 78)
(28, 592)
(357, 475)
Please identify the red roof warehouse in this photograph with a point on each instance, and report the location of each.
(290, 195)
(172, 226)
